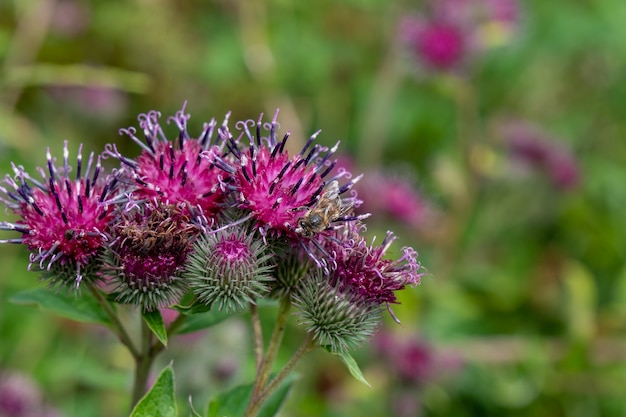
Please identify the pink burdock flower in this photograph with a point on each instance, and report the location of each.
(452, 32)
(147, 254)
(63, 217)
(440, 45)
(362, 268)
(185, 171)
(341, 306)
(280, 190)
(530, 146)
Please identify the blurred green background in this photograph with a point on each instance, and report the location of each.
(523, 309)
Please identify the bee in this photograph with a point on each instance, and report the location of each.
(329, 208)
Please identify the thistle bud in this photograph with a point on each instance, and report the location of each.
(292, 265)
(228, 268)
(339, 319)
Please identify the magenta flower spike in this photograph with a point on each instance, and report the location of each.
(147, 254)
(62, 218)
(185, 171)
(278, 189)
(362, 268)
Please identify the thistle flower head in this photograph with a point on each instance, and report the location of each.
(147, 255)
(279, 189)
(361, 267)
(438, 43)
(339, 318)
(62, 217)
(180, 172)
(229, 268)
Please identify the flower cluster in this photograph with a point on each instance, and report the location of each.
(221, 221)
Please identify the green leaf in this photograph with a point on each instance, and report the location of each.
(353, 367)
(233, 403)
(79, 307)
(199, 321)
(160, 400)
(154, 320)
(194, 308)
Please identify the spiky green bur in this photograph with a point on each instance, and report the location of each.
(340, 320)
(229, 269)
(292, 265)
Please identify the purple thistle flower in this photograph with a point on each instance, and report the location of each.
(63, 218)
(278, 189)
(185, 171)
(438, 43)
(452, 33)
(361, 268)
(147, 254)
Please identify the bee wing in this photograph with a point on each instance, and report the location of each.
(346, 207)
(332, 190)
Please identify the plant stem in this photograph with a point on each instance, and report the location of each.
(275, 341)
(307, 346)
(264, 370)
(143, 364)
(118, 327)
(258, 336)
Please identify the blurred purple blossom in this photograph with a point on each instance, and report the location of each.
(414, 360)
(452, 33)
(95, 101)
(438, 44)
(70, 17)
(20, 397)
(530, 146)
(395, 197)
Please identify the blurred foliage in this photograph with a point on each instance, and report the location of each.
(527, 282)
